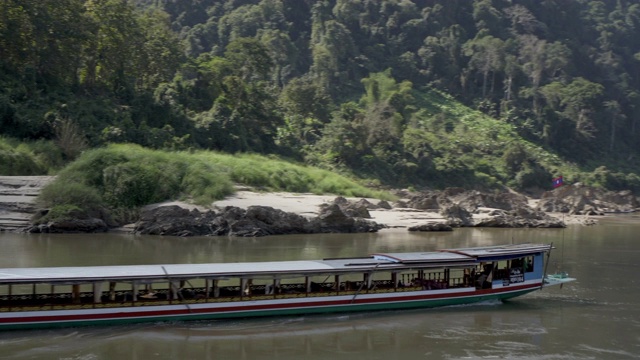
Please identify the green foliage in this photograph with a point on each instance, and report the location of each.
(71, 195)
(47, 153)
(18, 163)
(59, 213)
(123, 178)
(532, 176)
(199, 183)
(514, 157)
(278, 175)
(31, 158)
(335, 83)
(132, 185)
(130, 176)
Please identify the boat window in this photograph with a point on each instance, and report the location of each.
(517, 263)
(528, 264)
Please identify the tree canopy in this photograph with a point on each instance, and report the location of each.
(396, 90)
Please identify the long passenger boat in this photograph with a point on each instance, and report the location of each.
(101, 295)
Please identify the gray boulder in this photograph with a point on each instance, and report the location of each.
(175, 221)
(457, 215)
(332, 219)
(432, 226)
(359, 209)
(75, 225)
(581, 199)
(382, 204)
(523, 217)
(427, 201)
(254, 221)
(265, 220)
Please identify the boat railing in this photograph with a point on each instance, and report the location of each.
(163, 296)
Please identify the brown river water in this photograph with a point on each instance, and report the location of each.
(596, 317)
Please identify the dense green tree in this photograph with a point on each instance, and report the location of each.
(41, 41)
(309, 79)
(112, 53)
(162, 53)
(486, 56)
(250, 59)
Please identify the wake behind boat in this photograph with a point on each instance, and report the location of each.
(102, 295)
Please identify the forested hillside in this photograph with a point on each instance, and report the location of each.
(404, 93)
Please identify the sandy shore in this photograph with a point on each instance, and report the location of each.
(308, 205)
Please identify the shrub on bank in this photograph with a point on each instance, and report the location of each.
(123, 178)
(28, 158)
(129, 176)
(71, 193)
(271, 174)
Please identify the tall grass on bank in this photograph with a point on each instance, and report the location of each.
(277, 175)
(129, 176)
(28, 158)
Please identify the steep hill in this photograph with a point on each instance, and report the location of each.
(482, 93)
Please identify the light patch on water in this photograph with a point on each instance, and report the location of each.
(81, 357)
(462, 333)
(519, 356)
(514, 345)
(616, 352)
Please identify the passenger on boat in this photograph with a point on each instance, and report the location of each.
(484, 279)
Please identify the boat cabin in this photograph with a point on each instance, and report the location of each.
(30, 289)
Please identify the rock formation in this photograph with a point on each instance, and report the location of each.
(457, 207)
(18, 200)
(254, 221)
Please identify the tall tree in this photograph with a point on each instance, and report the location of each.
(615, 115)
(162, 52)
(486, 55)
(114, 50)
(42, 40)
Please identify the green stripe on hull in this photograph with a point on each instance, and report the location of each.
(275, 312)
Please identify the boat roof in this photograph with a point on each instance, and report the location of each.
(449, 258)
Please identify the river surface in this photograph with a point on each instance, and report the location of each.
(596, 317)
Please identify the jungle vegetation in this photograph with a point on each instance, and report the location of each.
(421, 93)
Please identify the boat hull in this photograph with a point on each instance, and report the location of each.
(14, 320)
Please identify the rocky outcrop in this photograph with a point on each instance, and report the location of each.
(18, 209)
(332, 219)
(586, 200)
(254, 221)
(523, 217)
(260, 221)
(474, 200)
(359, 209)
(431, 226)
(457, 216)
(76, 221)
(174, 220)
(505, 209)
(429, 201)
(66, 226)
(457, 206)
(18, 200)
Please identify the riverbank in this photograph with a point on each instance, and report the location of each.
(309, 205)
(18, 203)
(18, 200)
